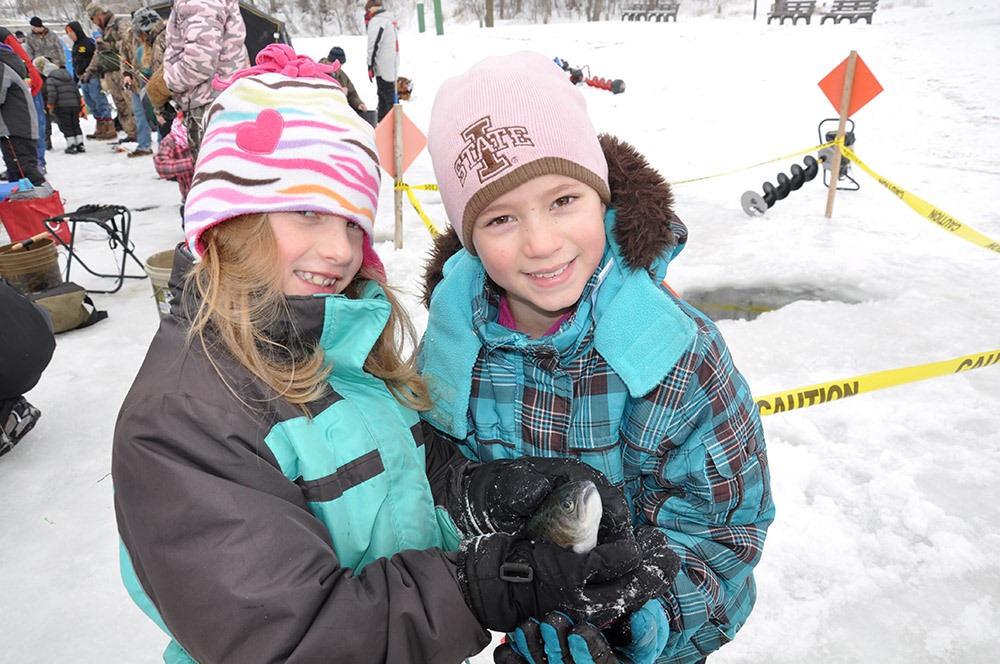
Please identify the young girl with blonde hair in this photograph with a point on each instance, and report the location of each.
(276, 496)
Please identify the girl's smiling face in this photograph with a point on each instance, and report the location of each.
(541, 242)
(320, 253)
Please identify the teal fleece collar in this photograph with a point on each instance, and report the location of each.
(352, 326)
(638, 329)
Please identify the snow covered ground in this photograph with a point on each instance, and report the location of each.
(886, 546)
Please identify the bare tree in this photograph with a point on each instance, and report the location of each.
(60, 12)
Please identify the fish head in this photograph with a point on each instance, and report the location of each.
(569, 517)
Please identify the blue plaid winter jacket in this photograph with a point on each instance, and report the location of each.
(636, 383)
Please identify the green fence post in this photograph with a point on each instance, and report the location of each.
(438, 18)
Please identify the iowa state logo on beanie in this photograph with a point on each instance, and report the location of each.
(485, 147)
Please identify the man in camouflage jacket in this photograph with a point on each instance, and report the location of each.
(108, 62)
(45, 43)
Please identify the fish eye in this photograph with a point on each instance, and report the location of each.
(568, 505)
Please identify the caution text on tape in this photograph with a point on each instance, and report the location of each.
(813, 395)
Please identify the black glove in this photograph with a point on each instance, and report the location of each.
(501, 496)
(507, 579)
(556, 640)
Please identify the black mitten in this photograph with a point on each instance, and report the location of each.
(500, 496)
(507, 579)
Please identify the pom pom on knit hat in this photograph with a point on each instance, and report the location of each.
(35, 22)
(507, 120)
(281, 137)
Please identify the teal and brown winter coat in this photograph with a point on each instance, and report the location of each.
(254, 533)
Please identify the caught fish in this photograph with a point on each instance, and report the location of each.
(568, 517)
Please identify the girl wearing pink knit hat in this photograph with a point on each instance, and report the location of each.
(276, 495)
(551, 333)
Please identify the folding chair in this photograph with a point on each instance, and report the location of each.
(116, 221)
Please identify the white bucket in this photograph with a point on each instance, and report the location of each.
(158, 267)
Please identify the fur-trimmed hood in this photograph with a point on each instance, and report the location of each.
(643, 201)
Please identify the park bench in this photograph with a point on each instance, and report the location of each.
(850, 10)
(792, 10)
(651, 10)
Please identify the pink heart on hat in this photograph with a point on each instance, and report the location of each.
(261, 136)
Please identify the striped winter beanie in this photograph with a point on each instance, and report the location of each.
(282, 138)
(507, 120)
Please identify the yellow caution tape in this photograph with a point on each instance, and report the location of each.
(803, 397)
(416, 204)
(925, 209)
(747, 168)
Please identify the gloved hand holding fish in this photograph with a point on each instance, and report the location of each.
(547, 534)
(502, 496)
(507, 579)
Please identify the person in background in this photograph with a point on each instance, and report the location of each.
(205, 39)
(34, 81)
(383, 54)
(26, 347)
(551, 333)
(337, 55)
(90, 85)
(18, 120)
(62, 99)
(151, 34)
(274, 424)
(173, 158)
(144, 52)
(43, 43)
(152, 38)
(45, 120)
(107, 65)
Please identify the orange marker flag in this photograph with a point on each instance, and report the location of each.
(866, 86)
(413, 142)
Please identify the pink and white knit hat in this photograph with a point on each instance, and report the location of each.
(505, 121)
(282, 138)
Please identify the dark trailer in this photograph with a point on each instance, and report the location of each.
(262, 29)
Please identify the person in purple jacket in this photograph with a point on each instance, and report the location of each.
(551, 333)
